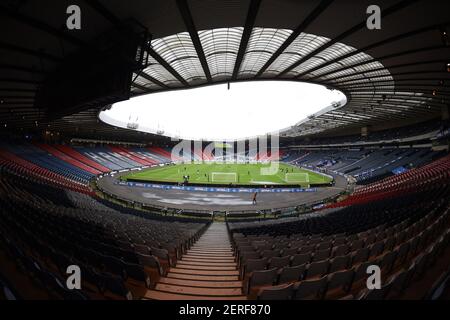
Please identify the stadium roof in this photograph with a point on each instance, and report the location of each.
(397, 73)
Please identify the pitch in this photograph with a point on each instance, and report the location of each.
(232, 173)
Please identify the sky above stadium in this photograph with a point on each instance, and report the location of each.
(216, 113)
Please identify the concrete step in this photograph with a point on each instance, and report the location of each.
(210, 248)
(207, 258)
(205, 272)
(216, 268)
(202, 284)
(206, 263)
(209, 252)
(199, 291)
(226, 254)
(202, 277)
(159, 295)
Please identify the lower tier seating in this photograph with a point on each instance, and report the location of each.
(326, 256)
(121, 255)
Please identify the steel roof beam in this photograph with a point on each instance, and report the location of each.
(377, 60)
(183, 7)
(398, 6)
(322, 6)
(167, 66)
(374, 45)
(150, 78)
(248, 28)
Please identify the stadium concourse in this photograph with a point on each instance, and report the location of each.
(327, 176)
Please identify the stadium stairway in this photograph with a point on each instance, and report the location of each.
(207, 271)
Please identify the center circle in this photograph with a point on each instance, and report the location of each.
(224, 112)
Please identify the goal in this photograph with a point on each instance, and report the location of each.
(297, 177)
(224, 177)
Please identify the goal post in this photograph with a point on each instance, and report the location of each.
(297, 177)
(224, 177)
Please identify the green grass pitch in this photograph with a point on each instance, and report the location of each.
(246, 174)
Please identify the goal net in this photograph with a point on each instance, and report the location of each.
(224, 177)
(297, 177)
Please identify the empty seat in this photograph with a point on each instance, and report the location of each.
(370, 239)
(339, 241)
(137, 279)
(292, 274)
(340, 250)
(279, 262)
(323, 246)
(387, 261)
(401, 236)
(163, 257)
(142, 249)
(321, 255)
(376, 294)
(254, 265)
(296, 244)
(360, 256)
(339, 263)
(360, 278)
(380, 236)
(263, 247)
(376, 249)
(258, 243)
(317, 269)
(279, 246)
(339, 283)
(125, 245)
(151, 266)
(402, 253)
(245, 248)
(270, 254)
(289, 251)
(413, 246)
(260, 279)
(280, 292)
(357, 244)
(399, 281)
(300, 258)
(244, 256)
(310, 289)
(307, 249)
(114, 288)
(389, 243)
(113, 265)
(90, 281)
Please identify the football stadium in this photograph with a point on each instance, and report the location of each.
(233, 150)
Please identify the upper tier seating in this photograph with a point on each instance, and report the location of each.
(12, 163)
(76, 155)
(384, 135)
(364, 165)
(43, 159)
